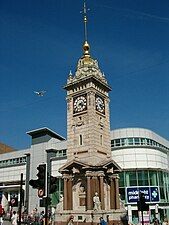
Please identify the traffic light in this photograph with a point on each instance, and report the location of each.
(45, 201)
(40, 183)
(33, 183)
(52, 185)
(141, 204)
(41, 179)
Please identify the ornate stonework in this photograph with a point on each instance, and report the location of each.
(90, 184)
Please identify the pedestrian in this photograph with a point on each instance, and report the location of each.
(124, 219)
(102, 221)
(165, 222)
(70, 221)
(156, 221)
(14, 218)
(1, 220)
(41, 219)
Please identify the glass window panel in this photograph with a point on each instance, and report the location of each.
(153, 178)
(143, 178)
(130, 141)
(162, 196)
(122, 194)
(112, 143)
(148, 142)
(131, 179)
(117, 142)
(160, 178)
(64, 152)
(121, 180)
(136, 141)
(151, 142)
(123, 141)
(142, 141)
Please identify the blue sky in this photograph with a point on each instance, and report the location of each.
(41, 41)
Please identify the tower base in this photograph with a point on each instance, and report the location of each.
(89, 217)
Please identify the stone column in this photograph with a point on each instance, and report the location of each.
(117, 191)
(65, 206)
(69, 194)
(102, 191)
(88, 192)
(112, 193)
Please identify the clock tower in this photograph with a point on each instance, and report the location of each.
(90, 175)
(88, 123)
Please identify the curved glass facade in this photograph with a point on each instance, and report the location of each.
(145, 178)
(135, 141)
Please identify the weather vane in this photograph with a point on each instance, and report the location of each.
(85, 19)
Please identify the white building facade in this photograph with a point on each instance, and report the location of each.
(144, 158)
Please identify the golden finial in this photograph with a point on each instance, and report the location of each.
(86, 46)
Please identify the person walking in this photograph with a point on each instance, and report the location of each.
(14, 218)
(102, 221)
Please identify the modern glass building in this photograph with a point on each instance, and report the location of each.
(144, 159)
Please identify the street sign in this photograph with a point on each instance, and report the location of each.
(14, 198)
(151, 194)
(41, 193)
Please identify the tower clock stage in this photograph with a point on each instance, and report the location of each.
(91, 182)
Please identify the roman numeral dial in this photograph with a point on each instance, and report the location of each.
(100, 106)
(79, 104)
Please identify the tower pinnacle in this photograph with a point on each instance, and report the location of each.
(86, 46)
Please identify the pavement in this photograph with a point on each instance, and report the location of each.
(6, 222)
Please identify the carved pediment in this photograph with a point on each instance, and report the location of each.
(73, 166)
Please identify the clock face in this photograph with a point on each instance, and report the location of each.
(100, 107)
(80, 104)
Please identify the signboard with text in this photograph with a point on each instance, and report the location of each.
(151, 194)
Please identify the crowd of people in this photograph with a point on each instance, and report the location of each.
(34, 218)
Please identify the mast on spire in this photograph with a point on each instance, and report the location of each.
(85, 20)
(86, 46)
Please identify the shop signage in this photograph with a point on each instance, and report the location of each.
(151, 194)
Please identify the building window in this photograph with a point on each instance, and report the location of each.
(124, 141)
(142, 178)
(131, 178)
(130, 141)
(80, 140)
(153, 178)
(117, 142)
(122, 193)
(121, 180)
(101, 139)
(136, 141)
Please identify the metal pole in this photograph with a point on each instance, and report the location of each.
(142, 217)
(47, 196)
(21, 199)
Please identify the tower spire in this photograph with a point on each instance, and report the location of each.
(85, 20)
(86, 46)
